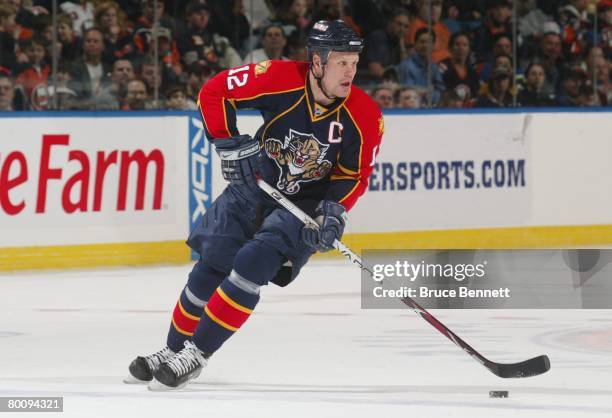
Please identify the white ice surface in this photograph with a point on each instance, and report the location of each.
(308, 351)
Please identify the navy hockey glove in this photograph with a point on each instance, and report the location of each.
(240, 159)
(331, 217)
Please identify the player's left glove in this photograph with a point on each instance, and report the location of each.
(331, 218)
(240, 159)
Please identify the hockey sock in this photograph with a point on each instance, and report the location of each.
(228, 308)
(189, 308)
(185, 319)
(233, 301)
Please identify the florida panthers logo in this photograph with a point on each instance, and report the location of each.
(300, 159)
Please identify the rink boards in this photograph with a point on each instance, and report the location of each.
(94, 189)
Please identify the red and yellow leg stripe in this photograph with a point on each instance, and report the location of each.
(184, 322)
(226, 312)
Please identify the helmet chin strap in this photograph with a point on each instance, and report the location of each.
(320, 82)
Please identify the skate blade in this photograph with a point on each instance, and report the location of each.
(157, 386)
(131, 380)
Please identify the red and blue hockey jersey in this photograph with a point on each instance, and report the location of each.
(310, 151)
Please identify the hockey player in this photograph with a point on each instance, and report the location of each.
(317, 146)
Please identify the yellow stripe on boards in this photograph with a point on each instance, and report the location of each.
(176, 252)
(541, 237)
(94, 255)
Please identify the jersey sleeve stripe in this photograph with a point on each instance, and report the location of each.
(225, 117)
(348, 195)
(203, 117)
(337, 177)
(358, 182)
(346, 170)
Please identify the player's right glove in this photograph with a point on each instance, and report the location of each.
(240, 159)
(331, 218)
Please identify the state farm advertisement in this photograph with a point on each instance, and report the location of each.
(78, 180)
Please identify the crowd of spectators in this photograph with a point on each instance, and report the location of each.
(471, 57)
(112, 56)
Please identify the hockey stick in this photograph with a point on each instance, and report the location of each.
(532, 367)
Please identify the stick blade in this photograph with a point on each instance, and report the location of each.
(532, 367)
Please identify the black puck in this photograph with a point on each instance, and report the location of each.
(498, 394)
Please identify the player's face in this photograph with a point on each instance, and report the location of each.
(340, 72)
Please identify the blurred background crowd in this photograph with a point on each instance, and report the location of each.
(145, 54)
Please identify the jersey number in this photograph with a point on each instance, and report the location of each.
(374, 152)
(239, 80)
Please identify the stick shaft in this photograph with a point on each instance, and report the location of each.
(355, 259)
(531, 367)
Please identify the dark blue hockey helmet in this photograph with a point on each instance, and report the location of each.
(332, 35)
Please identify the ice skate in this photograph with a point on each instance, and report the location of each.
(142, 368)
(179, 370)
